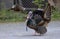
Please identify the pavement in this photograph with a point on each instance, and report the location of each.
(18, 31)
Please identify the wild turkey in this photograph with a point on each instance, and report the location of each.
(37, 22)
(39, 19)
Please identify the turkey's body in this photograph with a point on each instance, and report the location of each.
(37, 22)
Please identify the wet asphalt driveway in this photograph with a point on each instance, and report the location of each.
(18, 31)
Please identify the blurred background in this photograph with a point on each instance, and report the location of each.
(7, 15)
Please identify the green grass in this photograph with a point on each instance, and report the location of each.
(56, 15)
(12, 16)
